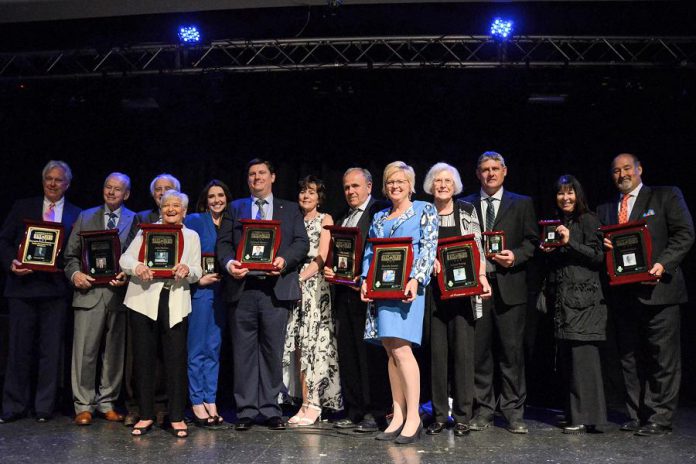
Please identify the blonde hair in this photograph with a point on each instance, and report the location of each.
(395, 166)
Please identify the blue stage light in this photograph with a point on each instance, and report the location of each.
(501, 28)
(189, 34)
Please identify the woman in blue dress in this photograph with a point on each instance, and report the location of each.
(400, 322)
(207, 317)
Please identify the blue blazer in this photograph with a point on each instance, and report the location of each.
(37, 284)
(294, 245)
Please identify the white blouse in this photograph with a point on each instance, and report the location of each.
(143, 297)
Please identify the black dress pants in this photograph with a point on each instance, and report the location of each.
(35, 325)
(582, 373)
(363, 366)
(500, 348)
(147, 334)
(451, 345)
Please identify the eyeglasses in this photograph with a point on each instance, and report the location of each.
(396, 183)
(443, 181)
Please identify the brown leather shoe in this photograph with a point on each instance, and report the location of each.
(112, 416)
(83, 418)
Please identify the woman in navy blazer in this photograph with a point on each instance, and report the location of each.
(208, 310)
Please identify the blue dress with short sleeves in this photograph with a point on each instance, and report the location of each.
(420, 222)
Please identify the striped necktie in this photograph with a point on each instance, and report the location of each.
(260, 214)
(490, 214)
(111, 224)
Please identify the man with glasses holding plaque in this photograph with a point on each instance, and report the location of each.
(363, 375)
(646, 314)
(100, 316)
(37, 301)
(259, 301)
(503, 315)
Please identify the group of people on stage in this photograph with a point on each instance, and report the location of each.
(295, 340)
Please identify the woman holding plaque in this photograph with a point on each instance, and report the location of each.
(208, 312)
(573, 290)
(310, 360)
(400, 322)
(159, 309)
(449, 323)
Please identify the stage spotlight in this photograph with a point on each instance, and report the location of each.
(189, 35)
(501, 29)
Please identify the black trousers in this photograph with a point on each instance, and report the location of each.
(147, 335)
(363, 366)
(451, 356)
(650, 349)
(500, 347)
(36, 330)
(258, 323)
(581, 369)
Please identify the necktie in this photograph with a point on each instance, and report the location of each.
(260, 213)
(623, 210)
(111, 224)
(50, 213)
(351, 217)
(490, 214)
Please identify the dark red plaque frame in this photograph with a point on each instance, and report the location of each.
(378, 245)
(612, 232)
(254, 224)
(30, 225)
(351, 233)
(108, 234)
(162, 228)
(445, 244)
(542, 235)
(492, 233)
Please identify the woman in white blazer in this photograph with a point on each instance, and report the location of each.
(158, 310)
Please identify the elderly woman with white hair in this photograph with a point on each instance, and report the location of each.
(400, 322)
(450, 323)
(159, 309)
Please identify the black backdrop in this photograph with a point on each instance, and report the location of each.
(200, 127)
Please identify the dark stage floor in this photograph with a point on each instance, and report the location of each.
(59, 441)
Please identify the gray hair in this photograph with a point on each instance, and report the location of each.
(165, 176)
(437, 169)
(363, 171)
(176, 194)
(490, 155)
(120, 176)
(60, 165)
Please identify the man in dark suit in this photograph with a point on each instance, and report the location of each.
(259, 302)
(503, 318)
(647, 315)
(100, 316)
(37, 301)
(158, 186)
(364, 380)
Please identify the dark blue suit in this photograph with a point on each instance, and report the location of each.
(258, 308)
(38, 304)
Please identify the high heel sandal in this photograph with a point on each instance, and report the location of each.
(404, 440)
(389, 436)
(306, 421)
(300, 414)
(142, 430)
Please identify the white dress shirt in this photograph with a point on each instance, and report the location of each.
(633, 194)
(57, 208)
(353, 222)
(497, 198)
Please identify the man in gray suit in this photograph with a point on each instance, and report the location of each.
(100, 316)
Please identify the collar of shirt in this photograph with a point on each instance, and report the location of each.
(268, 207)
(117, 211)
(634, 193)
(363, 207)
(496, 196)
(59, 203)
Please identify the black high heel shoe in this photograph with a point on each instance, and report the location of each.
(403, 440)
(389, 436)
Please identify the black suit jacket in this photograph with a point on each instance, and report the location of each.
(148, 216)
(38, 284)
(517, 219)
(672, 232)
(294, 245)
(373, 207)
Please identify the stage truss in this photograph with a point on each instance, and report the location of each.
(418, 52)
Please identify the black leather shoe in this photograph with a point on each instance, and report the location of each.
(367, 426)
(652, 429)
(389, 436)
(344, 424)
(435, 428)
(630, 426)
(275, 423)
(10, 417)
(479, 423)
(517, 426)
(243, 424)
(461, 429)
(574, 429)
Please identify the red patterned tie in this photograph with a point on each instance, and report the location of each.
(50, 213)
(623, 210)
